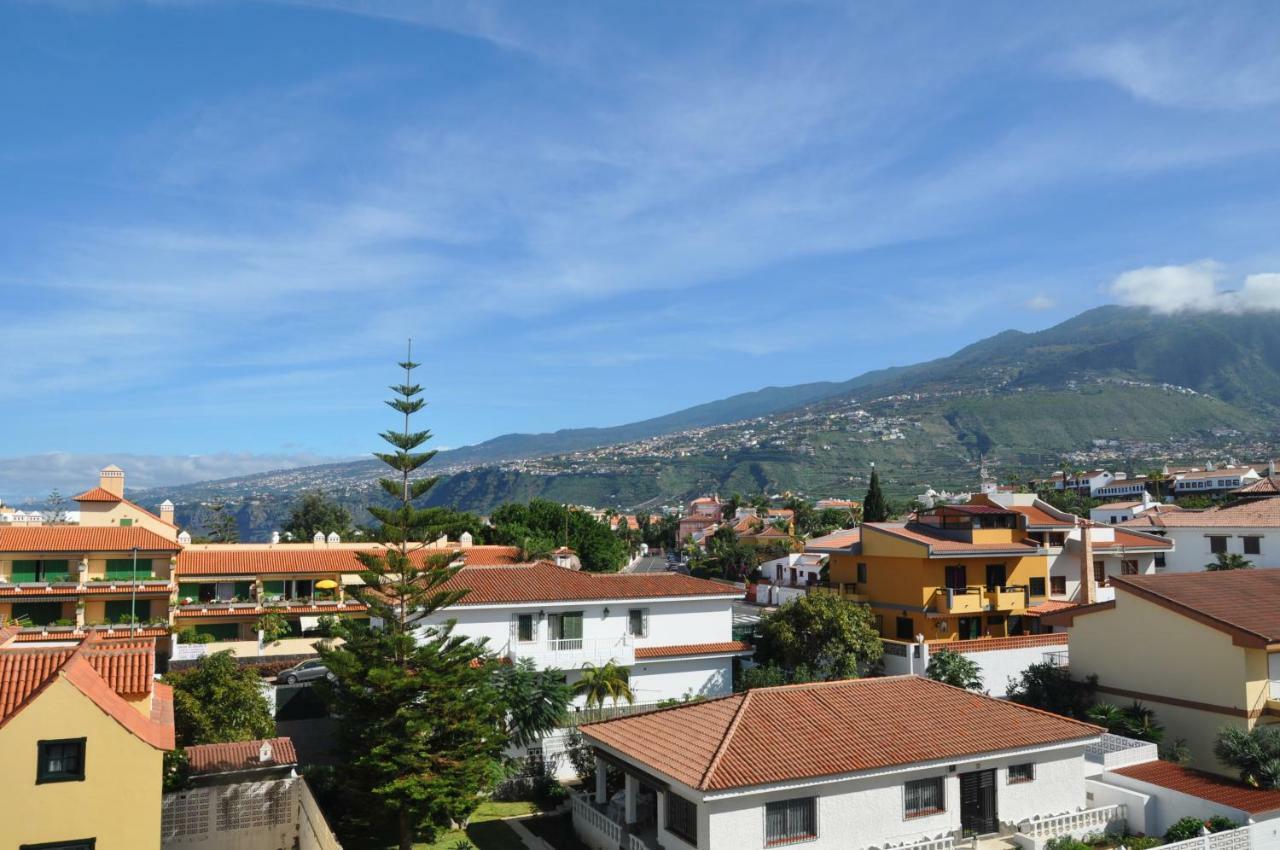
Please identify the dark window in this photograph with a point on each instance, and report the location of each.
(60, 761)
(1217, 545)
(905, 631)
(638, 622)
(862, 573)
(524, 628)
(1057, 538)
(924, 797)
(1058, 585)
(78, 844)
(1022, 772)
(955, 577)
(1128, 568)
(1100, 573)
(1160, 564)
(682, 818)
(1253, 545)
(1036, 586)
(790, 820)
(995, 576)
(879, 624)
(1016, 625)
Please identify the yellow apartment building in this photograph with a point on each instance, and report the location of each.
(83, 731)
(1202, 650)
(954, 572)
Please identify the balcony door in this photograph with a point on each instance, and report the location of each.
(995, 576)
(565, 630)
(956, 577)
(978, 802)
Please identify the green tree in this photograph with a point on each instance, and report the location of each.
(829, 636)
(954, 669)
(1229, 561)
(874, 506)
(218, 701)
(1255, 753)
(422, 728)
(273, 627)
(535, 700)
(55, 512)
(1049, 687)
(223, 527)
(315, 512)
(1133, 721)
(609, 681)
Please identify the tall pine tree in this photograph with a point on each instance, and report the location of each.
(874, 506)
(421, 728)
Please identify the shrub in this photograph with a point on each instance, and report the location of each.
(1189, 827)
(1066, 842)
(1141, 842)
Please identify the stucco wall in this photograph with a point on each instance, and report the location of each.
(658, 680)
(1191, 547)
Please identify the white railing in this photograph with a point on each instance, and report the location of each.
(568, 653)
(1230, 839)
(944, 843)
(634, 843)
(1114, 751)
(1059, 658)
(1089, 820)
(587, 817)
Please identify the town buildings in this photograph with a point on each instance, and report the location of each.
(83, 731)
(1200, 536)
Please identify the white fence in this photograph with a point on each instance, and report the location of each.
(245, 816)
(1034, 834)
(571, 653)
(1231, 839)
(1114, 751)
(998, 659)
(944, 843)
(593, 827)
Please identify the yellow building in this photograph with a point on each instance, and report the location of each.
(1202, 650)
(106, 506)
(955, 572)
(83, 731)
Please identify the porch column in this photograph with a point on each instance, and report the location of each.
(602, 793)
(632, 797)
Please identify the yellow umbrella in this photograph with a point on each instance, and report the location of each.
(327, 584)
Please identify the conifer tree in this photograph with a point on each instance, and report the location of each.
(421, 728)
(874, 506)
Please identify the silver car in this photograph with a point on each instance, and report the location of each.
(307, 671)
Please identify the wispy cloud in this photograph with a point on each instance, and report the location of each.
(1196, 287)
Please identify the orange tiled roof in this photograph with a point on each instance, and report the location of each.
(1243, 603)
(206, 759)
(82, 539)
(127, 665)
(692, 649)
(1127, 539)
(543, 582)
(285, 558)
(1262, 513)
(834, 728)
(97, 494)
(1206, 786)
(77, 634)
(836, 540)
(1050, 606)
(290, 610)
(1268, 486)
(1116, 506)
(945, 545)
(1040, 517)
(91, 589)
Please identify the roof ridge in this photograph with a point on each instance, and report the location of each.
(729, 732)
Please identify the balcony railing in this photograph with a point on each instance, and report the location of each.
(568, 653)
(592, 821)
(578, 716)
(1112, 751)
(1104, 819)
(847, 590)
(959, 600)
(1009, 598)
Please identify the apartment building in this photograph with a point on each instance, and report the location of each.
(1248, 528)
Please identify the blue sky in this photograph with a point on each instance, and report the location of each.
(221, 220)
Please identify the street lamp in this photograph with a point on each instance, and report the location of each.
(133, 596)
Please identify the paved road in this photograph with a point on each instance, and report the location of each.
(649, 565)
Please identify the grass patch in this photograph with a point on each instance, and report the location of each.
(556, 830)
(486, 830)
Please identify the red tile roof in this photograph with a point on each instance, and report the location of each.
(1126, 539)
(1261, 513)
(835, 540)
(97, 494)
(965, 647)
(82, 539)
(127, 665)
(833, 728)
(92, 589)
(1206, 786)
(944, 545)
(735, 646)
(1050, 606)
(77, 634)
(206, 759)
(1268, 486)
(1243, 603)
(285, 558)
(543, 582)
(290, 610)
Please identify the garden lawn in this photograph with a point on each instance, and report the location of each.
(486, 831)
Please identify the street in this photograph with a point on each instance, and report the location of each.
(651, 564)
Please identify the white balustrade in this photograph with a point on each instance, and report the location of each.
(1113, 751)
(634, 843)
(569, 653)
(1089, 820)
(587, 817)
(1230, 839)
(943, 843)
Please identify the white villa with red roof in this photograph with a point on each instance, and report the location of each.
(1250, 528)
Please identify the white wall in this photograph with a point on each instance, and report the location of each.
(653, 680)
(1140, 808)
(859, 813)
(1066, 563)
(1169, 806)
(1191, 547)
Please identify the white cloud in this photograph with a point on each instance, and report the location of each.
(1195, 288)
(1041, 302)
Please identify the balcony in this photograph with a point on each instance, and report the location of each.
(1011, 598)
(572, 653)
(959, 600)
(846, 590)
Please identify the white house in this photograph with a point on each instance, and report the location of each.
(1211, 480)
(788, 577)
(674, 633)
(1122, 486)
(1122, 510)
(900, 761)
(1085, 482)
(1251, 529)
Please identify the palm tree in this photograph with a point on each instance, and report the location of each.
(1256, 753)
(536, 700)
(1157, 477)
(1229, 561)
(608, 681)
(536, 549)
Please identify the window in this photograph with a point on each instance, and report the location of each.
(995, 576)
(904, 629)
(638, 622)
(1253, 545)
(879, 618)
(60, 761)
(1036, 585)
(524, 628)
(125, 523)
(790, 820)
(567, 628)
(955, 577)
(1057, 538)
(1128, 568)
(78, 844)
(682, 818)
(1160, 563)
(1058, 585)
(924, 797)
(1217, 545)
(862, 573)
(1022, 772)
(1100, 573)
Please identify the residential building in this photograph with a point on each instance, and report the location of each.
(954, 572)
(837, 504)
(1121, 486)
(1122, 510)
(789, 577)
(83, 731)
(1213, 481)
(1250, 528)
(673, 633)
(900, 762)
(106, 505)
(1085, 482)
(1200, 649)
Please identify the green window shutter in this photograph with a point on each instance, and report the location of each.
(25, 570)
(117, 610)
(190, 589)
(572, 625)
(125, 523)
(121, 568)
(275, 587)
(243, 589)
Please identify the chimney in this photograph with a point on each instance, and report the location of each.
(275, 537)
(334, 538)
(111, 479)
(318, 539)
(1086, 563)
(166, 511)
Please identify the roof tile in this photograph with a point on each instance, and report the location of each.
(1206, 786)
(287, 558)
(82, 539)
(205, 759)
(543, 582)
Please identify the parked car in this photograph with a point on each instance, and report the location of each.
(307, 671)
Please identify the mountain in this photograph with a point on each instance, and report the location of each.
(1114, 385)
